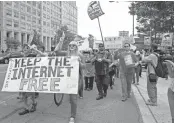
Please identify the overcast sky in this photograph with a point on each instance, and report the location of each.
(116, 18)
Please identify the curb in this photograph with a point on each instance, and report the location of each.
(145, 111)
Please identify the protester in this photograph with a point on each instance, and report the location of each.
(137, 68)
(170, 93)
(127, 65)
(72, 51)
(112, 72)
(88, 71)
(101, 62)
(151, 85)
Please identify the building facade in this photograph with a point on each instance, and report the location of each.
(19, 18)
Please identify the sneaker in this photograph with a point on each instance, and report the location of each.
(99, 97)
(81, 97)
(124, 99)
(88, 89)
(72, 120)
(24, 112)
(85, 89)
(105, 94)
(33, 107)
(111, 87)
(137, 83)
(151, 103)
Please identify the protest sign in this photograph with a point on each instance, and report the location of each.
(94, 10)
(167, 39)
(147, 40)
(46, 74)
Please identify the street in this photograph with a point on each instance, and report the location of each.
(108, 110)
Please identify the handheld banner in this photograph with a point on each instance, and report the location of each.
(42, 74)
(94, 10)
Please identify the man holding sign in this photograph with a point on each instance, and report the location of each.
(127, 65)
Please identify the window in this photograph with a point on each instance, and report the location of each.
(28, 18)
(39, 21)
(44, 8)
(29, 2)
(9, 12)
(48, 24)
(28, 27)
(23, 25)
(34, 3)
(8, 22)
(22, 8)
(34, 20)
(44, 15)
(39, 13)
(28, 9)
(34, 11)
(39, 6)
(44, 23)
(48, 17)
(16, 24)
(9, 3)
(22, 17)
(16, 14)
(48, 10)
(16, 4)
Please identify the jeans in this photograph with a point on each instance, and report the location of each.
(73, 102)
(136, 74)
(152, 90)
(171, 102)
(126, 80)
(102, 82)
(89, 82)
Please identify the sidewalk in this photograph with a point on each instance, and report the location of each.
(153, 114)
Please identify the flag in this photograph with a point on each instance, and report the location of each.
(94, 10)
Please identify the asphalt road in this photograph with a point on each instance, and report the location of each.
(108, 110)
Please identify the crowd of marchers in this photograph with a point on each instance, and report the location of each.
(102, 67)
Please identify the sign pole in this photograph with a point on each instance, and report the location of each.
(100, 30)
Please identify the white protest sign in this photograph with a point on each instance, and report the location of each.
(167, 39)
(112, 42)
(83, 44)
(147, 40)
(46, 74)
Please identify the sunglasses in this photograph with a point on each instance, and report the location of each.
(126, 46)
(72, 45)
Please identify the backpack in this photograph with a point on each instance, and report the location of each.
(160, 69)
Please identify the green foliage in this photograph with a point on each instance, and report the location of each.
(12, 44)
(157, 15)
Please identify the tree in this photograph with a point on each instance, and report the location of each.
(12, 44)
(157, 15)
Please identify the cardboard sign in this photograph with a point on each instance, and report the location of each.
(94, 10)
(42, 74)
(128, 60)
(167, 39)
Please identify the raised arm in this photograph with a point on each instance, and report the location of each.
(60, 44)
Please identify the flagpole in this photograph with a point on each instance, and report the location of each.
(100, 29)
